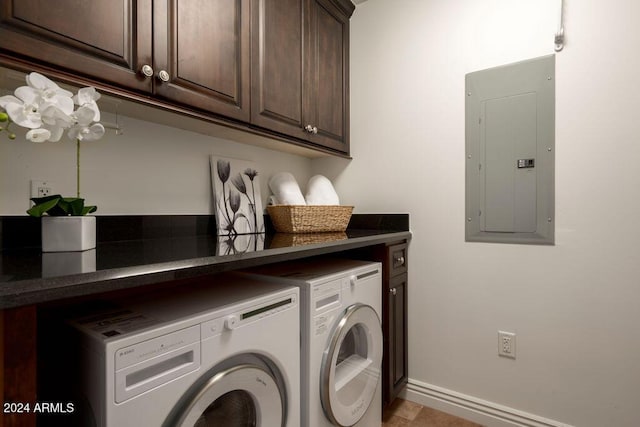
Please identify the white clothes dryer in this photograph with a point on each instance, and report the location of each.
(226, 354)
(341, 302)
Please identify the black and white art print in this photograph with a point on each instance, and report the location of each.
(236, 191)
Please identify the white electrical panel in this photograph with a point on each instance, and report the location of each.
(510, 144)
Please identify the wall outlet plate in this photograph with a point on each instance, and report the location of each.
(507, 344)
(41, 188)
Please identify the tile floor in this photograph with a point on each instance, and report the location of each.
(408, 414)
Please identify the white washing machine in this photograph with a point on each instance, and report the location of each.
(341, 302)
(226, 354)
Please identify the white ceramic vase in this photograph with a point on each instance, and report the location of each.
(68, 233)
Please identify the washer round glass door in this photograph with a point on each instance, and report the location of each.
(240, 396)
(351, 365)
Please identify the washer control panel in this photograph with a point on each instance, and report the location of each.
(250, 314)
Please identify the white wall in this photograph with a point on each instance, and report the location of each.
(574, 306)
(150, 169)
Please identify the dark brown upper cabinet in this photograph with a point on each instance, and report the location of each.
(327, 74)
(107, 40)
(197, 54)
(277, 88)
(201, 54)
(300, 74)
(278, 67)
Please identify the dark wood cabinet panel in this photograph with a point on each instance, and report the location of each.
(300, 70)
(396, 362)
(327, 76)
(106, 40)
(201, 47)
(395, 365)
(18, 362)
(277, 80)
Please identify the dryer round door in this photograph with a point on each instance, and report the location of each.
(238, 396)
(351, 363)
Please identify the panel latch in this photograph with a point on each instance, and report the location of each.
(526, 163)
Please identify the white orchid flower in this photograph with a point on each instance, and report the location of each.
(87, 133)
(87, 97)
(55, 121)
(95, 132)
(55, 131)
(48, 110)
(23, 110)
(25, 107)
(83, 116)
(53, 115)
(38, 135)
(83, 130)
(4, 100)
(49, 93)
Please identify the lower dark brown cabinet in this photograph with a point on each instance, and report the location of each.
(394, 324)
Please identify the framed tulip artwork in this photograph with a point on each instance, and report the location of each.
(236, 195)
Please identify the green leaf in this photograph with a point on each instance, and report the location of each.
(60, 206)
(41, 208)
(89, 209)
(38, 200)
(72, 205)
(57, 210)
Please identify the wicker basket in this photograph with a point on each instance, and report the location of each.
(309, 219)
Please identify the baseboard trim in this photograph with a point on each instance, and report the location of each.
(473, 409)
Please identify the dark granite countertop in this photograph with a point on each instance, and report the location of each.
(142, 250)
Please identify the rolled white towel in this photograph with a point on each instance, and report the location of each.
(286, 190)
(320, 191)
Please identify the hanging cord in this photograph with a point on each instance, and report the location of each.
(559, 38)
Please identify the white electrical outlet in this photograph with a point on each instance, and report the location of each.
(41, 188)
(507, 344)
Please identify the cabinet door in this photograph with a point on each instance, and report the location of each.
(276, 66)
(327, 76)
(395, 367)
(107, 40)
(201, 54)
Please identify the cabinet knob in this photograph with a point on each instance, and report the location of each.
(311, 129)
(393, 291)
(163, 75)
(399, 261)
(147, 70)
